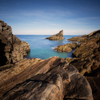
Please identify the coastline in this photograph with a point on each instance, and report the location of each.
(54, 77)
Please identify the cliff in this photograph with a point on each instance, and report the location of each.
(12, 49)
(58, 36)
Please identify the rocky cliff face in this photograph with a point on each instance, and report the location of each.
(58, 36)
(12, 49)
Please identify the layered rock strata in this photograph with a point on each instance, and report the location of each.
(58, 36)
(12, 49)
(37, 79)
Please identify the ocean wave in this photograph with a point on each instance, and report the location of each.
(53, 48)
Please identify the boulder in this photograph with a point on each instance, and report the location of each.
(58, 36)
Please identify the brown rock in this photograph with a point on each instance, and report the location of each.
(38, 89)
(0, 28)
(86, 55)
(12, 48)
(50, 79)
(94, 33)
(66, 47)
(58, 36)
(78, 39)
(2, 23)
(95, 85)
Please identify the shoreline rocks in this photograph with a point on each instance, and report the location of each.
(58, 36)
(66, 47)
(87, 54)
(37, 79)
(12, 49)
(86, 58)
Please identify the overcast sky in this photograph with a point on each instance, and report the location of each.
(50, 16)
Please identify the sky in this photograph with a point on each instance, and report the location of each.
(47, 17)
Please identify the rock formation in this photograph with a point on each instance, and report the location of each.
(37, 79)
(12, 49)
(86, 58)
(66, 47)
(58, 36)
(87, 55)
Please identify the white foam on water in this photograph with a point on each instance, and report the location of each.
(53, 48)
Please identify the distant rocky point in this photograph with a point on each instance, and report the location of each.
(12, 49)
(58, 36)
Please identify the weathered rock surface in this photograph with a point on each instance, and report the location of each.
(66, 47)
(78, 39)
(58, 36)
(37, 79)
(12, 49)
(86, 55)
(86, 58)
(95, 85)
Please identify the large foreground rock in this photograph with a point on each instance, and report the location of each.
(58, 36)
(12, 49)
(37, 79)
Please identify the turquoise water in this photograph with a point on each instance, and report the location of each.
(43, 48)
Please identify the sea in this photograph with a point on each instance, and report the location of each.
(44, 48)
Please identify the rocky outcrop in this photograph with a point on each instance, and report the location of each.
(12, 49)
(86, 55)
(37, 79)
(86, 58)
(66, 47)
(58, 36)
(78, 39)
